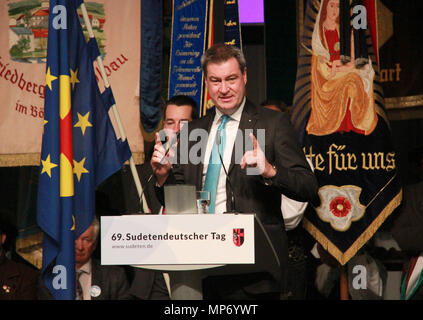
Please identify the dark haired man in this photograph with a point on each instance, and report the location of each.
(120, 196)
(177, 110)
(148, 285)
(281, 168)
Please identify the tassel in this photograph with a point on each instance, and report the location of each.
(345, 30)
(360, 46)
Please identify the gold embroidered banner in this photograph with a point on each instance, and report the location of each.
(400, 51)
(22, 72)
(340, 116)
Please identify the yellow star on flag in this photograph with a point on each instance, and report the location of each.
(78, 168)
(83, 122)
(74, 78)
(47, 165)
(44, 124)
(49, 78)
(73, 223)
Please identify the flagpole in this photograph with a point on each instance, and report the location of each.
(344, 283)
(115, 111)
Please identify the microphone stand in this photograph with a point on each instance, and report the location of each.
(226, 173)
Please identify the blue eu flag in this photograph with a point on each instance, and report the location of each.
(79, 146)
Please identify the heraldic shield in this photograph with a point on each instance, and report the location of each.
(238, 236)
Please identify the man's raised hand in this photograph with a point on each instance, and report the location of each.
(161, 163)
(255, 161)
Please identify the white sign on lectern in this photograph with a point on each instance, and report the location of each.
(177, 239)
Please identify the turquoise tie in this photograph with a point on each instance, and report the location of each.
(213, 169)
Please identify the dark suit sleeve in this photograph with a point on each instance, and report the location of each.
(112, 281)
(159, 289)
(148, 285)
(154, 203)
(294, 177)
(121, 285)
(407, 229)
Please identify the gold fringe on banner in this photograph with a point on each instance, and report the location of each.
(139, 158)
(343, 258)
(207, 103)
(404, 102)
(33, 159)
(19, 159)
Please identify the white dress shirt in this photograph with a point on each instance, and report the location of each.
(293, 211)
(85, 280)
(231, 131)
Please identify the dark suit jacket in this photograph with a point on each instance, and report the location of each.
(148, 285)
(17, 281)
(294, 177)
(407, 228)
(119, 195)
(112, 281)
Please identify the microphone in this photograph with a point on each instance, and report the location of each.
(231, 189)
(172, 143)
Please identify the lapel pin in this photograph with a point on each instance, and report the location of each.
(95, 291)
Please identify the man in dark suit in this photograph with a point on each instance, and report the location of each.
(119, 191)
(149, 285)
(120, 196)
(273, 165)
(94, 281)
(17, 281)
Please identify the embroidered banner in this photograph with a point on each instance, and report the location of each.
(189, 29)
(232, 25)
(400, 52)
(23, 51)
(231, 36)
(151, 64)
(340, 117)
